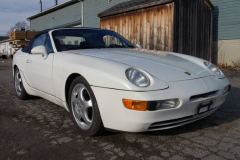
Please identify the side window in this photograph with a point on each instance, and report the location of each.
(40, 41)
(110, 40)
(48, 45)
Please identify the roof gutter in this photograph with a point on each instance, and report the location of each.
(209, 3)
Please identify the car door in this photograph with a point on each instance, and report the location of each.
(39, 70)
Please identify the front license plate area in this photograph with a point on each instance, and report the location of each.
(205, 106)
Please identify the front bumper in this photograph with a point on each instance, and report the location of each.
(115, 116)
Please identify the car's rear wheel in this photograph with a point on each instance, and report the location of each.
(84, 109)
(18, 85)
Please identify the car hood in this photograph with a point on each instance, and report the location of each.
(163, 65)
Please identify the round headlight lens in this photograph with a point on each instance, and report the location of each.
(213, 68)
(137, 77)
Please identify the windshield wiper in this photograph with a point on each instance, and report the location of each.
(116, 47)
(126, 46)
(129, 46)
(91, 47)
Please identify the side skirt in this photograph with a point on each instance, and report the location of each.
(35, 92)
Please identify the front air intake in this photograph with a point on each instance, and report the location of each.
(204, 95)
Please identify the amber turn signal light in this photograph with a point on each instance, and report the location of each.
(135, 105)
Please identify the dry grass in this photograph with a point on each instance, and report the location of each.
(225, 67)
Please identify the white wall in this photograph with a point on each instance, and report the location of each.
(228, 51)
(5, 48)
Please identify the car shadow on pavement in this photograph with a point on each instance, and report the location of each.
(35, 98)
(224, 117)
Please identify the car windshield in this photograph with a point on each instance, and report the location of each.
(70, 39)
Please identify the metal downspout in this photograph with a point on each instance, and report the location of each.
(82, 14)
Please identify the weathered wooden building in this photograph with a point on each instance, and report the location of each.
(184, 26)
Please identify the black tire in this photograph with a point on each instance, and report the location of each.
(21, 93)
(96, 127)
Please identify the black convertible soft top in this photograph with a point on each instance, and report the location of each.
(29, 46)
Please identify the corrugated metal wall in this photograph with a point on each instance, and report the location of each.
(93, 7)
(65, 16)
(226, 17)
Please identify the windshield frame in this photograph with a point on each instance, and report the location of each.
(123, 40)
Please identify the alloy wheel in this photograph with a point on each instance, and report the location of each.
(82, 106)
(18, 81)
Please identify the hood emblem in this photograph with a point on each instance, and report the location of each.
(188, 73)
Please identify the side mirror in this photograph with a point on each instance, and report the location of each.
(139, 46)
(40, 50)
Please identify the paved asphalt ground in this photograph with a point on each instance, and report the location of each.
(38, 129)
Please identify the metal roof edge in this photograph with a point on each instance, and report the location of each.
(59, 28)
(7, 40)
(54, 8)
(132, 8)
(69, 24)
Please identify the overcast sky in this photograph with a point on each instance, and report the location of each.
(13, 11)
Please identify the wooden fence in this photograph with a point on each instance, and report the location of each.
(150, 27)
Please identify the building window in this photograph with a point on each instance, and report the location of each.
(110, 1)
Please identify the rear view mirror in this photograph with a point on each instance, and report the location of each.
(40, 50)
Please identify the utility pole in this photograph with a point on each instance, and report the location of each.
(40, 1)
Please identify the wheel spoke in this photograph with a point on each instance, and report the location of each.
(80, 94)
(86, 118)
(85, 103)
(78, 113)
(19, 88)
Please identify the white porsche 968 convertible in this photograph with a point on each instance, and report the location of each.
(105, 82)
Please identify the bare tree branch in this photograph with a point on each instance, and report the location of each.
(18, 26)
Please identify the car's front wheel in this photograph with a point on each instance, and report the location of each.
(18, 85)
(84, 108)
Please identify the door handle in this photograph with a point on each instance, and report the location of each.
(28, 61)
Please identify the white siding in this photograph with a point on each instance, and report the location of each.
(228, 51)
